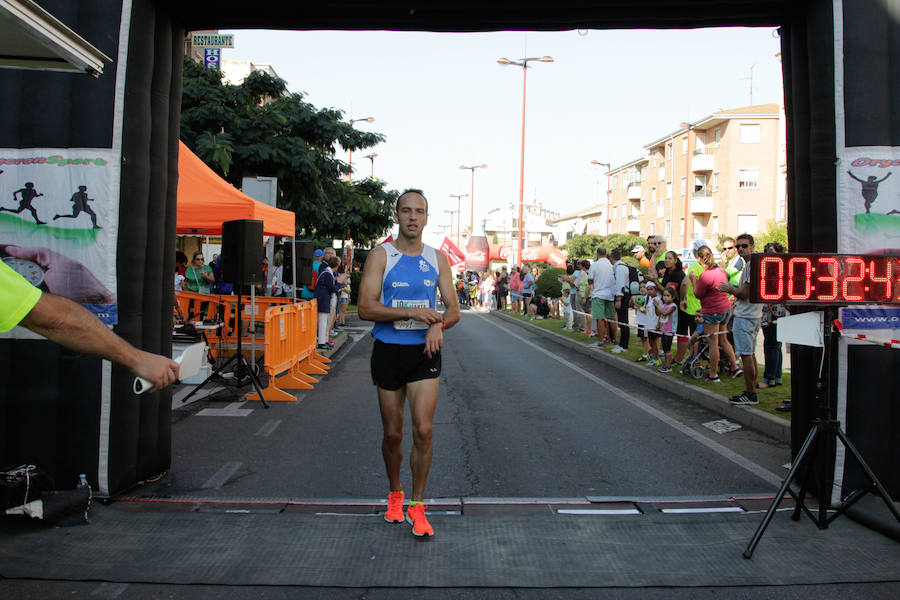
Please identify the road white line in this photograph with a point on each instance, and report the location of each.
(232, 410)
(716, 447)
(267, 429)
(221, 476)
(109, 590)
(598, 511)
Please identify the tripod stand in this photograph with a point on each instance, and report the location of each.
(241, 367)
(816, 449)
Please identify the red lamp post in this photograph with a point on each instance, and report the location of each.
(524, 64)
(350, 159)
(371, 157)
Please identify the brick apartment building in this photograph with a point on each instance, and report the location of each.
(723, 174)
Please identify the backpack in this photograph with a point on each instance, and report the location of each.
(315, 277)
(635, 278)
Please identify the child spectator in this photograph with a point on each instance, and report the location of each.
(567, 309)
(666, 310)
(652, 305)
(646, 319)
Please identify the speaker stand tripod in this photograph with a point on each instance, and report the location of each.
(819, 444)
(241, 367)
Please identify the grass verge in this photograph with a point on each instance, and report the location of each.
(768, 398)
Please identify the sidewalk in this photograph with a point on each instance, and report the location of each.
(747, 416)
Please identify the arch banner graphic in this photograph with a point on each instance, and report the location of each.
(58, 223)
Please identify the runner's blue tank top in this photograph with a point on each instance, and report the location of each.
(409, 281)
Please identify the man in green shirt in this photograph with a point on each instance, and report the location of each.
(73, 326)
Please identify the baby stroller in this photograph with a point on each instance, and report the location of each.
(693, 365)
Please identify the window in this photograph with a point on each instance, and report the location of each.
(750, 134)
(652, 228)
(653, 195)
(683, 186)
(669, 151)
(684, 145)
(655, 159)
(718, 135)
(715, 181)
(642, 203)
(748, 179)
(661, 174)
(668, 228)
(669, 190)
(747, 224)
(715, 226)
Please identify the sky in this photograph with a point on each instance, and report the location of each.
(442, 100)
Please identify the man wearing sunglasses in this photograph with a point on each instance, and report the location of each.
(731, 261)
(746, 322)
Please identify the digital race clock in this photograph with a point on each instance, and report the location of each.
(824, 279)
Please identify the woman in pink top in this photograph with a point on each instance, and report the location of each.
(515, 291)
(714, 306)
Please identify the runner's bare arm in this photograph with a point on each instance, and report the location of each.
(371, 308)
(448, 292)
(434, 339)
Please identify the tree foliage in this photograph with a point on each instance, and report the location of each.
(257, 128)
(775, 232)
(585, 246)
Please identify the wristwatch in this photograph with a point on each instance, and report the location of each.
(30, 270)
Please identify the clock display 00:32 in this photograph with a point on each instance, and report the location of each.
(825, 278)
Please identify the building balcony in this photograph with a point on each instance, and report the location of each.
(701, 203)
(703, 160)
(634, 192)
(633, 225)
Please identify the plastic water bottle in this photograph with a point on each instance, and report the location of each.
(83, 484)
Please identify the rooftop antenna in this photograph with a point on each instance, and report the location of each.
(751, 82)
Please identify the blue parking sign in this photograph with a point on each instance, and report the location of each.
(212, 58)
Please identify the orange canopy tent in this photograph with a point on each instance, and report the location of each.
(205, 201)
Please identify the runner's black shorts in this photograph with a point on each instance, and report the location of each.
(395, 365)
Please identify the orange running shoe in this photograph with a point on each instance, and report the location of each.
(415, 516)
(394, 512)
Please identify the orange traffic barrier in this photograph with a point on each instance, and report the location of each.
(290, 348)
(194, 306)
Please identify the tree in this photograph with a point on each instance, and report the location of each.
(584, 246)
(258, 128)
(775, 232)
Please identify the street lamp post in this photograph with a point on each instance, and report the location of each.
(350, 159)
(472, 198)
(524, 64)
(608, 191)
(687, 178)
(371, 157)
(459, 218)
(452, 212)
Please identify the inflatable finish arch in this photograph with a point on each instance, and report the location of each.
(73, 414)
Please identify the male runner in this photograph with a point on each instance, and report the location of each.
(397, 291)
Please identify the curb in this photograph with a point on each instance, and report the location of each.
(745, 415)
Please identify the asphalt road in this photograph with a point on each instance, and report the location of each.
(519, 416)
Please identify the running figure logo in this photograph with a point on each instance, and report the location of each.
(870, 189)
(80, 204)
(26, 195)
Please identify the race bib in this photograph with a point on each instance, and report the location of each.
(409, 323)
